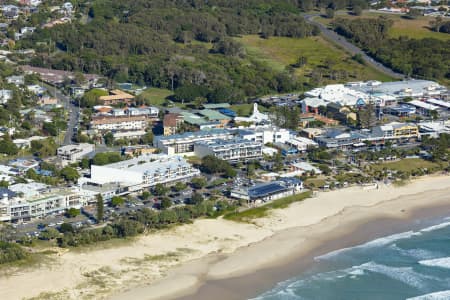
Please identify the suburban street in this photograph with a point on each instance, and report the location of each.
(70, 107)
(349, 47)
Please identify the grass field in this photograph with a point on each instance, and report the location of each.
(245, 110)
(262, 211)
(279, 52)
(406, 165)
(156, 96)
(415, 29)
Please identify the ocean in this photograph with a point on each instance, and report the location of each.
(413, 265)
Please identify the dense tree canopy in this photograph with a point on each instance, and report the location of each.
(151, 42)
(424, 58)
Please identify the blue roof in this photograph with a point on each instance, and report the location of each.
(265, 189)
(4, 191)
(228, 112)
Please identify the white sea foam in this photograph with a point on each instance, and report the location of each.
(404, 274)
(419, 254)
(436, 227)
(442, 295)
(443, 262)
(383, 241)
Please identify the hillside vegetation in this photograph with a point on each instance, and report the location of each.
(170, 44)
(424, 58)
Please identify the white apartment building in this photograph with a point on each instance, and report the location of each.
(145, 170)
(184, 143)
(119, 123)
(265, 134)
(73, 153)
(20, 208)
(231, 150)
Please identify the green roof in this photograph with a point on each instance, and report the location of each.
(193, 119)
(213, 115)
(216, 105)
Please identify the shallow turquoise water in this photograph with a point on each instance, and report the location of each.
(412, 265)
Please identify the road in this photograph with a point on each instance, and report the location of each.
(70, 107)
(349, 47)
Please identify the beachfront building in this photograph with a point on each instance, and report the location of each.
(72, 153)
(17, 207)
(269, 191)
(183, 144)
(144, 171)
(231, 150)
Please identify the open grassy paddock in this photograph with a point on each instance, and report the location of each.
(156, 96)
(280, 52)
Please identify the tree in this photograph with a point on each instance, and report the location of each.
(329, 12)
(366, 116)
(166, 203)
(70, 174)
(145, 195)
(357, 10)
(160, 189)
(49, 234)
(198, 182)
(117, 201)
(66, 227)
(8, 147)
(72, 212)
(109, 138)
(196, 199)
(100, 208)
(179, 186)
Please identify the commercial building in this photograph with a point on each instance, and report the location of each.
(119, 123)
(394, 130)
(212, 115)
(73, 153)
(423, 108)
(434, 129)
(144, 171)
(265, 192)
(184, 143)
(231, 150)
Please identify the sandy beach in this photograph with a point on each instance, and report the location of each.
(177, 262)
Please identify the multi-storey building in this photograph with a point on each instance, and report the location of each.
(72, 153)
(145, 170)
(17, 208)
(184, 143)
(119, 123)
(231, 150)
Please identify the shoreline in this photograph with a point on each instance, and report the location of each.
(230, 256)
(251, 270)
(255, 284)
